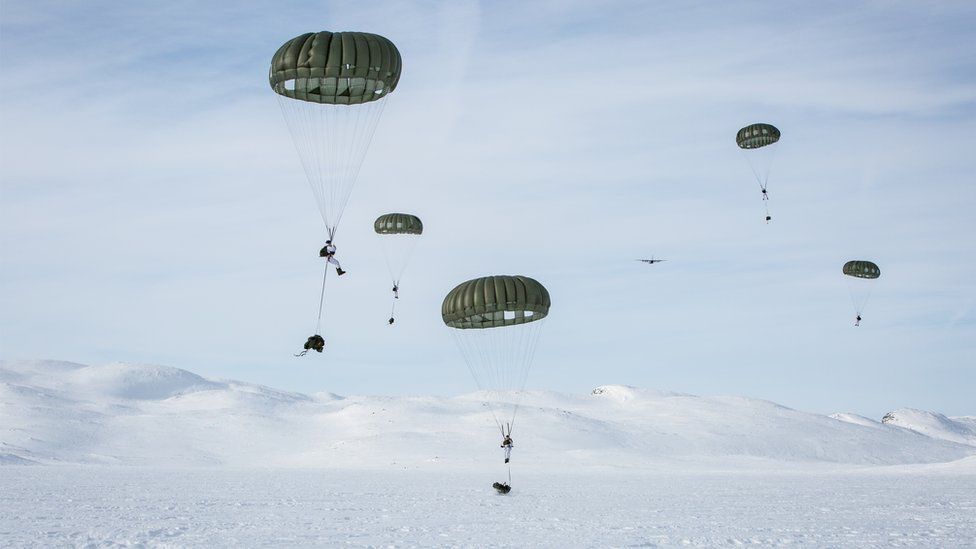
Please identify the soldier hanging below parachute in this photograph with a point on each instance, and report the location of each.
(332, 88)
(398, 234)
(496, 322)
(754, 140)
(861, 276)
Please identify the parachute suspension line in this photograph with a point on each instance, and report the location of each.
(332, 141)
(499, 360)
(300, 123)
(318, 324)
(759, 178)
(397, 253)
(393, 308)
(365, 128)
(863, 293)
(468, 351)
(762, 178)
(527, 365)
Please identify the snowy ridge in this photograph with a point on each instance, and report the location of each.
(58, 412)
(961, 430)
(856, 419)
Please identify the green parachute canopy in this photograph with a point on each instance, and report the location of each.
(495, 301)
(756, 135)
(332, 87)
(861, 269)
(340, 68)
(498, 358)
(398, 223)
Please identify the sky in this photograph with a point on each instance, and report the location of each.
(153, 208)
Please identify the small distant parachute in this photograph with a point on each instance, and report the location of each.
(398, 233)
(860, 276)
(754, 140)
(862, 269)
(758, 135)
(496, 321)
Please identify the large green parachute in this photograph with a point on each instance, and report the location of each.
(339, 68)
(496, 321)
(860, 276)
(861, 269)
(495, 301)
(332, 87)
(398, 233)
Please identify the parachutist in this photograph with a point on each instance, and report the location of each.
(768, 218)
(864, 272)
(391, 321)
(396, 292)
(328, 252)
(314, 343)
(507, 445)
(765, 196)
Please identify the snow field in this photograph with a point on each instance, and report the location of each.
(125, 506)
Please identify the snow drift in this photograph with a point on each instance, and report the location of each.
(60, 412)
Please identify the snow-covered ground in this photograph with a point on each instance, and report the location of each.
(123, 454)
(123, 506)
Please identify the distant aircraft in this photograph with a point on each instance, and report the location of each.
(651, 261)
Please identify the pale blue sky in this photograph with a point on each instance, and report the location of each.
(153, 208)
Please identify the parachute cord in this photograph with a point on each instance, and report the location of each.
(318, 324)
(534, 338)
(468, 351)
(859, 306)
(761, 179)
(332, 142)
(393, 308)
(755, 173)
(364, 132)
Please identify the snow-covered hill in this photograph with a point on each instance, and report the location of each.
(59, 412)
(958, 429)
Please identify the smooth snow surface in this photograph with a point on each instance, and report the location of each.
(856, 419)
(64, 413)
(121, 506)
